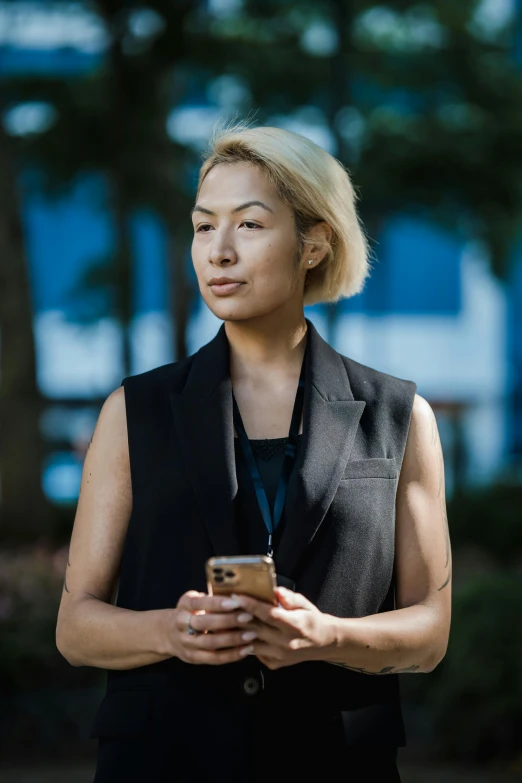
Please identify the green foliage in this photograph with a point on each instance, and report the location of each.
(30, 588)
(473, 700)
(46, 703)
(31, 582)
(474, 696)
(489, 518)
(423, 101)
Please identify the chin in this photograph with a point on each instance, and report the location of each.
(230, 311)
(227, 309)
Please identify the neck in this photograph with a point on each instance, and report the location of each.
(264, 345)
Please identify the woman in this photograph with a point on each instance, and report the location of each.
(206, 688)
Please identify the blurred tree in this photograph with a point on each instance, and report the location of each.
(143, 164)
(425, 107)
(475, 694)
(423, 102)
(23, 506)
(418, 99)
(431, 111)
(113, 121)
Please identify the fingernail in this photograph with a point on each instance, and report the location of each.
(230, 603)
(244, 617)
(247, 650)
(249, 636)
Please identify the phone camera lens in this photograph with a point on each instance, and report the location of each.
(219, 578)
(230, 574)
(218, 570)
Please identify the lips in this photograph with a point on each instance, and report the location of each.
(220, 289)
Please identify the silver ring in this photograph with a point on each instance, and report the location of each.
(192, 631)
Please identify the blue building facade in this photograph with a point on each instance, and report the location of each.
(431, 311)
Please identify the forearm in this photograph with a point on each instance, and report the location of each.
(402, 640)
(95, 633)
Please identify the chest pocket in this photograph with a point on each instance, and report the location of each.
(375, 467)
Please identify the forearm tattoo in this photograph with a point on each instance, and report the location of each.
(442, 501)
(385, 670)
(87, 478)
(65, 579)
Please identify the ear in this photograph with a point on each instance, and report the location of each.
(321, 233)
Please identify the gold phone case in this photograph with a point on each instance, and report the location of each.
(243, 574)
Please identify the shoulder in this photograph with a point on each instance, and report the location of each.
(423, 427)
(373, 385)
(422, 414)
(171, 376)
(423, 448)
(423, 457)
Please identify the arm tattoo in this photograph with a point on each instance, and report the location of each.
(65, 579)
(87, 480)
(386, 670)
(442, 502)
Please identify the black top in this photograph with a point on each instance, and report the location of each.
(338, 547)
(269, 455)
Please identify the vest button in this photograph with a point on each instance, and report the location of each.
(251, 686)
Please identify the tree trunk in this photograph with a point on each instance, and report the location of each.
(339, 95)
(24, 509)
(179, 294)
(123, 259)
(121, 197)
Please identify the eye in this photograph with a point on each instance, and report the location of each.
(244, 223)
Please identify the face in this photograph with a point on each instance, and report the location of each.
(254, 244)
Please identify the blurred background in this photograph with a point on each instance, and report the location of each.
(105, 109)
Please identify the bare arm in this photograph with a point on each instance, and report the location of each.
(90, 630)
(414, 636)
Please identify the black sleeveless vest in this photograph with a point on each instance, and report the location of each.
(337, 543)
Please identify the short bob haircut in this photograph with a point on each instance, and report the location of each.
(316, 186)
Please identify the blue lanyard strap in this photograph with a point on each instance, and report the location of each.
(271, 523)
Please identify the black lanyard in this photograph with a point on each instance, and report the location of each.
(271, 523)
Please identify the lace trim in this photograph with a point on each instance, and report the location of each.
(267, 448)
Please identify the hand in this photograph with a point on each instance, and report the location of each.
(292, 632)
(220, 638)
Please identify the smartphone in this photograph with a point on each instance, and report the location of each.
(253, 575)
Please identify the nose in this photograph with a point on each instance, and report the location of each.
(221, 245)
(222, 253)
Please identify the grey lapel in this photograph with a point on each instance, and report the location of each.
(204, 423)
(330, 420)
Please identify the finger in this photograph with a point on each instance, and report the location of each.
(267, 651)
(292, 600)
(270, 663)
(196, 602)
(212, 623)
(205, 623)
(217, 657)
(220, 641)
(277, 637)
(267, 613)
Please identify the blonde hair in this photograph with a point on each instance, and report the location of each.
(316, 186)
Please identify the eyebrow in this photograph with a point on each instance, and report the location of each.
(199, 208)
